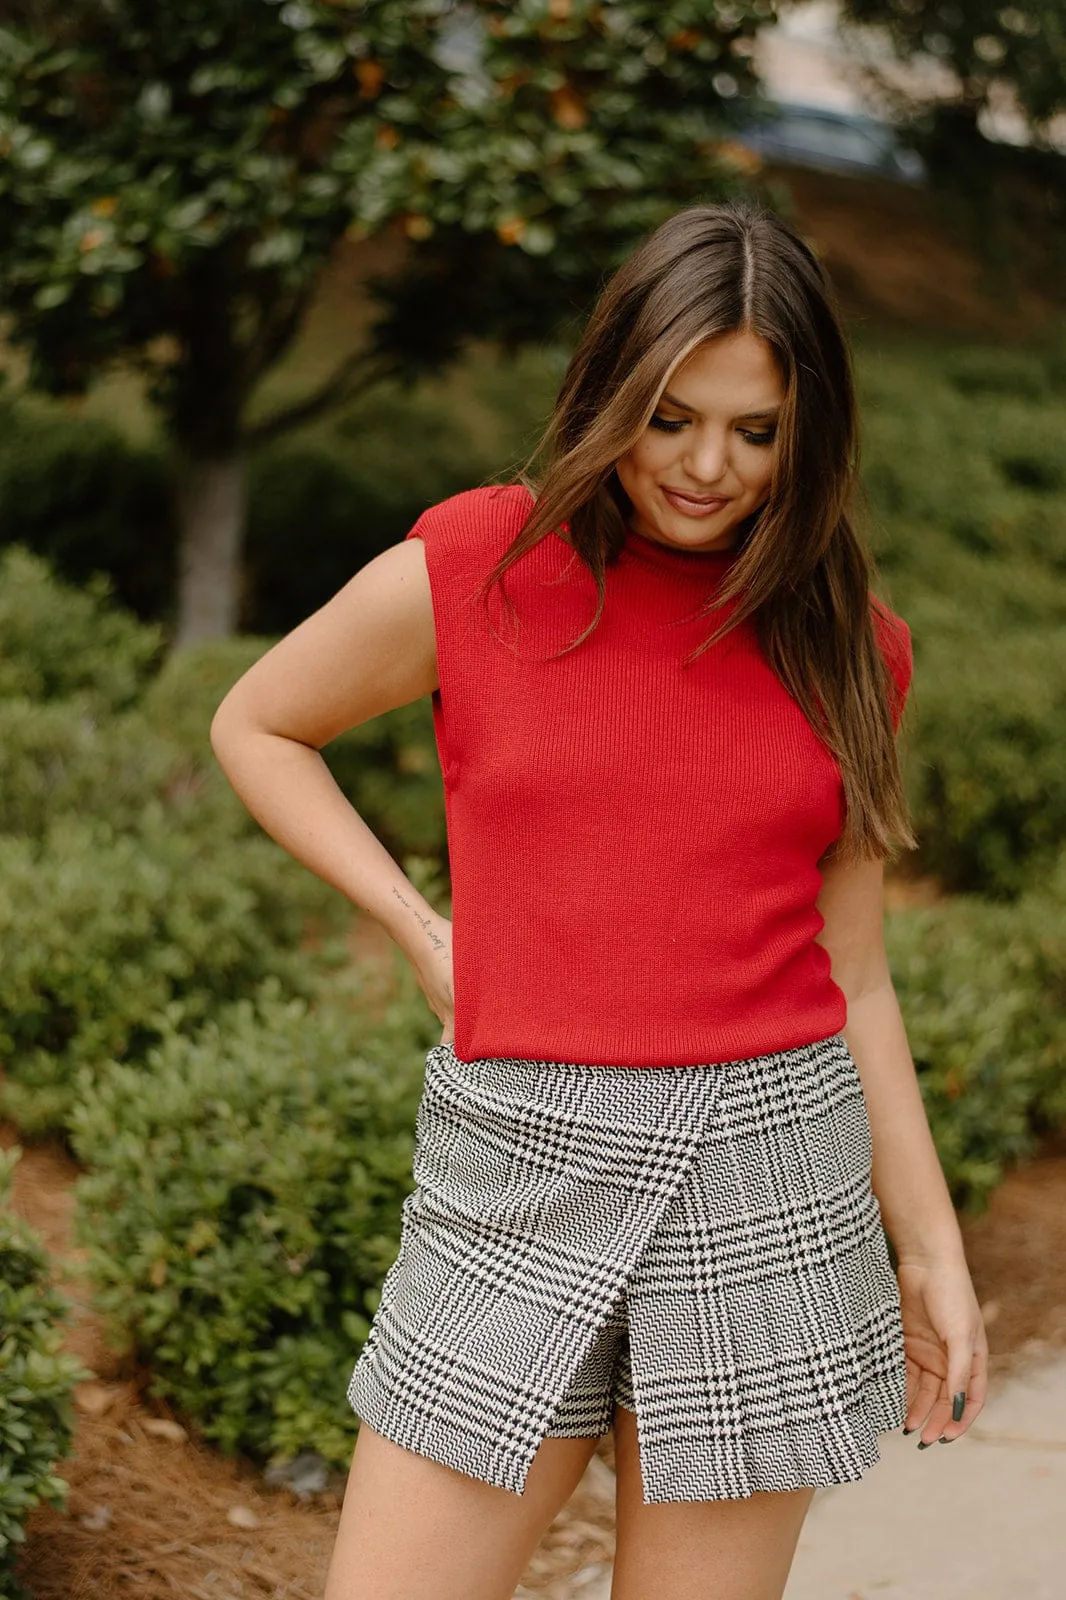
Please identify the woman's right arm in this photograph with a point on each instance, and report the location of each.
(369, 649)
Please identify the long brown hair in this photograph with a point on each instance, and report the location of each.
(802, 573)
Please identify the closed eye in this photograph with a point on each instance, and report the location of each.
(749, 435)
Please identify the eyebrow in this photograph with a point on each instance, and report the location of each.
(745, 416)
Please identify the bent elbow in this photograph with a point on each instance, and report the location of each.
(224, 730)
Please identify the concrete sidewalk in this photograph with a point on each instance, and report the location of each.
(981, 1519)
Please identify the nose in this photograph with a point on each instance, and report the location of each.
(706, 455)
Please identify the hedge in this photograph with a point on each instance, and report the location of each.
(76, 491)
(986, 768)
(36, 1380)
(136, 893)
(61, 758)
(57, 641)
(982, 988)
(111, 937)
(964, 470)
(242, 1207)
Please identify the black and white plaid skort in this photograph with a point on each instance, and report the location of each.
(698, 1244)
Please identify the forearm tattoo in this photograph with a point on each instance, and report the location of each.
(435, 941)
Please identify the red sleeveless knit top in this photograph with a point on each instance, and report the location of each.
(633, 836)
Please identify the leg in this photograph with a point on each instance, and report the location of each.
(733, 1549)
(412, 1529)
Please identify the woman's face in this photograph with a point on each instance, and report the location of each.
(706, 458)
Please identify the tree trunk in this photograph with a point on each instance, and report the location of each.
(211, 510)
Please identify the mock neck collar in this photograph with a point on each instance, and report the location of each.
(671, 558)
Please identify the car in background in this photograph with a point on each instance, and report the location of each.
(830, 141)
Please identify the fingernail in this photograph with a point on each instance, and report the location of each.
(942, 1440)
(907, 1431)
(926, 1444)
(958, 1406)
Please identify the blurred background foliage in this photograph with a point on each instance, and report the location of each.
(379, 224)
(979, 89)
(987, 51)
(175, 180)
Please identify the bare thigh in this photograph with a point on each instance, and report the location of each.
(412, 1529)
(732, 1549)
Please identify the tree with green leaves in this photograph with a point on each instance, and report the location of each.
(175, 178)
(994, 52)
(1001, 66)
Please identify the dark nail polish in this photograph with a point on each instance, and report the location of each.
(925, 1446)
(942, 1440)
(958, 1406)
(908, 1431)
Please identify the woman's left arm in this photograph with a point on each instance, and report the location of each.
(947, 1351)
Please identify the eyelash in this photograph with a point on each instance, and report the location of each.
(666, 425)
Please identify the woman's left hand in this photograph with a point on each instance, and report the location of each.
(946, 1346)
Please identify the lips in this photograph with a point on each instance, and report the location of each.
(695, 505)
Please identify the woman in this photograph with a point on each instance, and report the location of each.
(673, 1100)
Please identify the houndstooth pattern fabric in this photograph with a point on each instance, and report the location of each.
(699, 1244)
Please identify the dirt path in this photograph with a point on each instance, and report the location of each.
(154, 1513)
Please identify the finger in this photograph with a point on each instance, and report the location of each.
(926, 1394)
(944, 1420)
(974, 1393)
(938, 1418)
(917, 1403)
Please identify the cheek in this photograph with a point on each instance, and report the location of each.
(631, 461)
(636, 464)
(758, 475)
(651, 452)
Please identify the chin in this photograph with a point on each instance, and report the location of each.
(695, 532)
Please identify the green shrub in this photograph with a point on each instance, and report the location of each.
(73, 756)
(964, 470)
(243, 1205)
(360, 482)
(67, 758)
(989, 488)
(133, 883)
(77, 492)
(982, 987)
(987, 767)
(57, 641)
(36, 1379)
(106, 935)
(999, 371)
(1044, 909)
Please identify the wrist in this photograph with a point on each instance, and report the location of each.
(929, 1249)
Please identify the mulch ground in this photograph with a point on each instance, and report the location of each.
(155, 1513)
